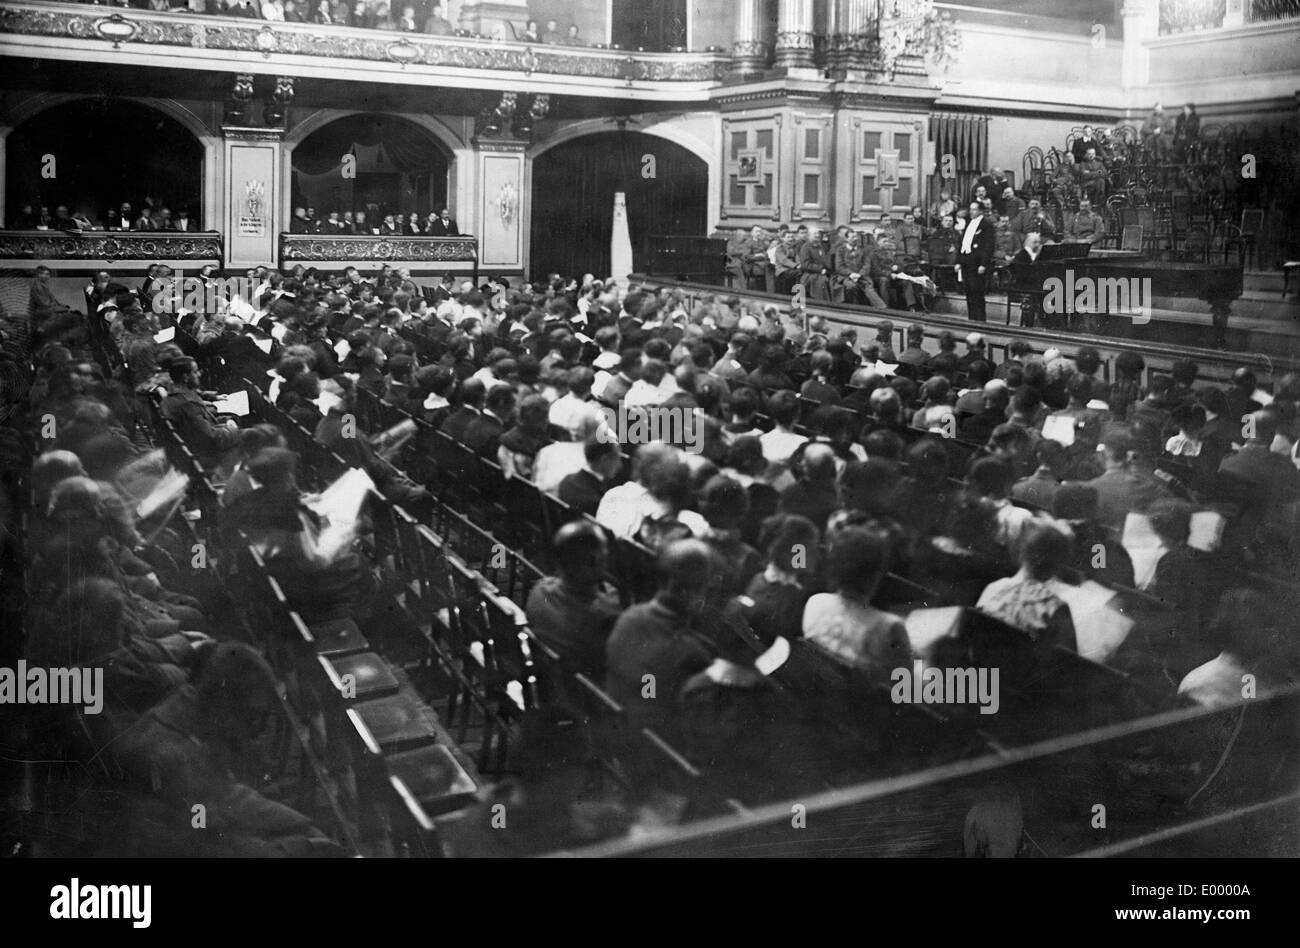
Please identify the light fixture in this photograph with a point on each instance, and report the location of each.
(117, 28)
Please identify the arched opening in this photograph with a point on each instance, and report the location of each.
(379, 164)
(573, 199)
(93, 155)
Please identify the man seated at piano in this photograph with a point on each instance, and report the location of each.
(1085, 224)
(1033, 246)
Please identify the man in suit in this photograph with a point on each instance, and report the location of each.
(1032, 248)
(195, 419)
(443, 226)
(472, 394)
(582, 490)
(975, 258)
(1085, 141)
(484, 432)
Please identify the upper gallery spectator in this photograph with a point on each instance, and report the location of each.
(552, 35)
(443, 225)
(437, 24)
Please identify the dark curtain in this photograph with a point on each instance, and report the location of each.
(573, 199)
(105, 151)
(656, 25)
(966, 138)
(406, 146)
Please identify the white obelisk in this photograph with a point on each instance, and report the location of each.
(620, 243)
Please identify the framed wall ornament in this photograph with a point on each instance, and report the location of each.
(751, 166)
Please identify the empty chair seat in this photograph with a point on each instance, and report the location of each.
(433, 778)
(397, 722)
(335, 637)
(362, 676)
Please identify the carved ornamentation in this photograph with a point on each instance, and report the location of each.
(916, 38)
(108, 245)
(344, 43)
(241, 94)
(277, 104)
(354, 248)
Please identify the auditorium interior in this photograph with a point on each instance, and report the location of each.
(330, 333)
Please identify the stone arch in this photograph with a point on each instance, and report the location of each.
(28, 109)
(444, 134)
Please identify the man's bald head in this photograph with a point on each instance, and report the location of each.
(687, 569)
(819, 463)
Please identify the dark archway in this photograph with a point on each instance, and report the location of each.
(106, 152)
(399, 168)
(573, 199)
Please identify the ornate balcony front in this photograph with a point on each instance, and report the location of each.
(418, 254)
(65, 250)
(229, 44)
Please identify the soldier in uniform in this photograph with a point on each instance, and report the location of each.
(1085, 224)
(816, 265)
(1092, 175)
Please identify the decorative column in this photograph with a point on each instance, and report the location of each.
(751, 53)
(853, 27)
(1141, 23)
(794, 34)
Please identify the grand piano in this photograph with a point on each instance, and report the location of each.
(1071, 268)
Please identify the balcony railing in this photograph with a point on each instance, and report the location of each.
(51, 245)
(125, 27)
(433, 253)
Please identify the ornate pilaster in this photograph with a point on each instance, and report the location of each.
(252, 161)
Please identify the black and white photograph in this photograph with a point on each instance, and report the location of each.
(651, 428)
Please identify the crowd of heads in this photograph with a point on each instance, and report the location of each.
(822, 468)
